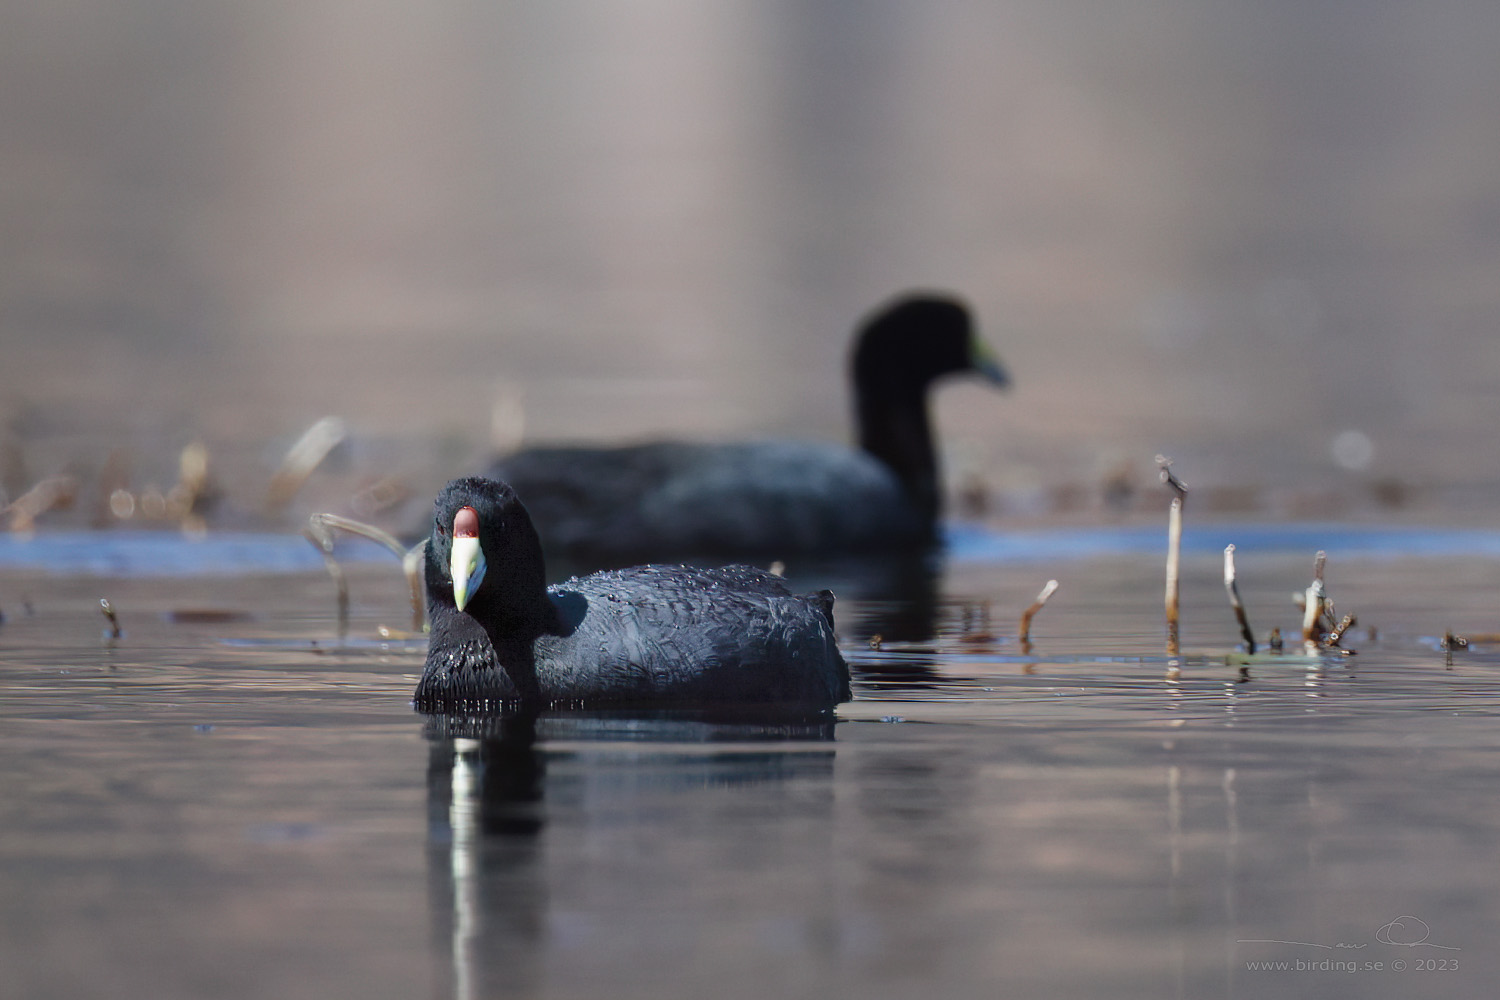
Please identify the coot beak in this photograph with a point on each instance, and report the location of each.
(985, 361)
(466, 560)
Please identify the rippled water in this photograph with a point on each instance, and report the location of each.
(228, 801)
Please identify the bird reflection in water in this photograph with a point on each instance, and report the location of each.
(492, 878)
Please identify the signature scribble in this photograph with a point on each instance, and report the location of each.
(1407, 931)
(1299, 944)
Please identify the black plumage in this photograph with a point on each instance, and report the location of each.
(771, 499)
(648, 635)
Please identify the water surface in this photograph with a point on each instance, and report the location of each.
(233, 803)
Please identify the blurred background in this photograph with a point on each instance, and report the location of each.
(1260, 236)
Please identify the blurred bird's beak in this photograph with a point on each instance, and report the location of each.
(987, 363)
(466, 561)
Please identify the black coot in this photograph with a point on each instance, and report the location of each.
(673, 499)
(649, 635)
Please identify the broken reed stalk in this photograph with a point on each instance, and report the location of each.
(320, 532)
(1345, 624)
(108, 609)
(1448, 644)
(1312, 608)
(1025, 631)
(1174, 553)
(1164, 467)
(1310, 614)
(1233, 588)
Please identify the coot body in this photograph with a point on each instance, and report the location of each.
(771, 499)
(644, 636)
(680, 499)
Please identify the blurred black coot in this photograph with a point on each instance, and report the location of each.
(771, 499)
(649, 635)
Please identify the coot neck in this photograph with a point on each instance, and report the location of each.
(502, 644)
(894, 427)
(505, 616)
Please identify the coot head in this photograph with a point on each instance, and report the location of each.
(909, 343)
(483, 556)
(902, 349)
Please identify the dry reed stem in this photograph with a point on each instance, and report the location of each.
(301, 459)
(1233, 588)
(48, 493)
(1174, 559)
(322, 540)
(1313, 602)
(374, 534)
(1025, 631)
(1168, 477)
(108, 609)
(1345, 624)
(411, 565)
(1174, 553)
(320, 532)
(1448, 644)
(192, 486)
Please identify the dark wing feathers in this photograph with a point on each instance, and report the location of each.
(681, 498)
(723, 635)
